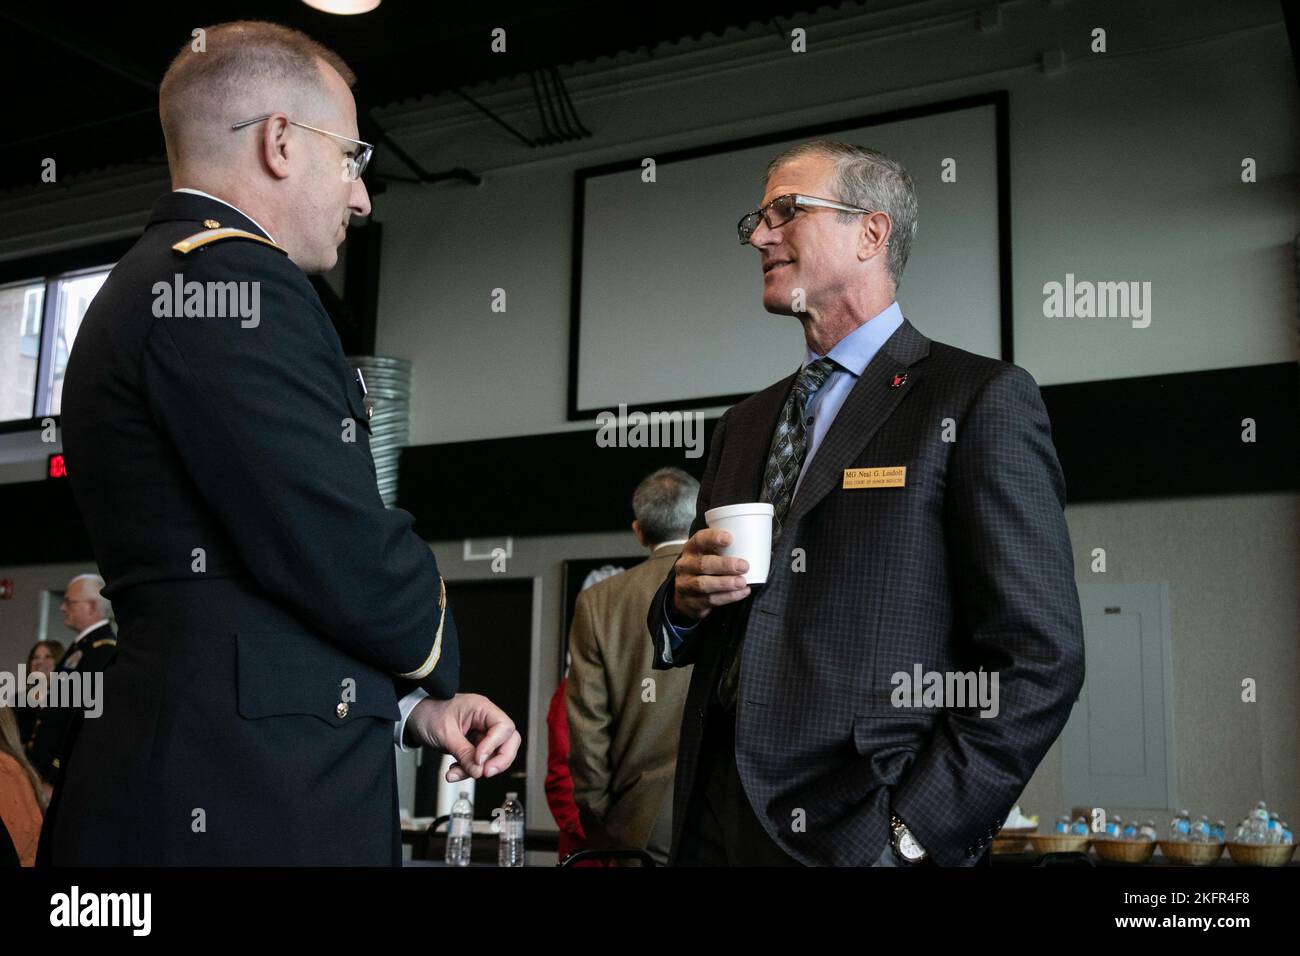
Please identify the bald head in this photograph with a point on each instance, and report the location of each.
(290, 179)
(245, 69)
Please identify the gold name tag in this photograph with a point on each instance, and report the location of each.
(891, 477)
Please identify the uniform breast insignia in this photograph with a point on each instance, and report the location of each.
(73, 660)
(206, 238)
(211, 224)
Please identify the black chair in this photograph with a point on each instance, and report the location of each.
(422, 843)
(1064, 859)
(628, 854)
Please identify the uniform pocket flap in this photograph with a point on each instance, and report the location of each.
(282, 673)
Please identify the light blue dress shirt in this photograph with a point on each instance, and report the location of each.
(851, 355)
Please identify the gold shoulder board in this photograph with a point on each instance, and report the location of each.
(103, 641)
(201, 239)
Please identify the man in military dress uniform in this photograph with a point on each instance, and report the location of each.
(281, 629)
(85, 611)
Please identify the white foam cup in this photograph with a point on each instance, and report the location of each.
(750, 526)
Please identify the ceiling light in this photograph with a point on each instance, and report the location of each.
(344, 7)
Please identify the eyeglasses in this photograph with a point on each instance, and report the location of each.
(781, 210)
(354, 162)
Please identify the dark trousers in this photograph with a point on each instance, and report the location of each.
(721, 828)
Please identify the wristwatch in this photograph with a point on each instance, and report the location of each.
(907, 850)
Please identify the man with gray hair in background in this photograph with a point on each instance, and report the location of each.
(85, 611)
(624, 718)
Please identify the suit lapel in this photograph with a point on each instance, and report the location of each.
(868, 406)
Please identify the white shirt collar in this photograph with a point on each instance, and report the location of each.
(102, 621)
(668, 544)
(200, 192)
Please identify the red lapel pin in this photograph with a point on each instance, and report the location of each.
(899, 380)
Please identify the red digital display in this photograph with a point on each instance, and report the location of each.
(57, 468)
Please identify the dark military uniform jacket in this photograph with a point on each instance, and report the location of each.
(56, 726)
(271, 610)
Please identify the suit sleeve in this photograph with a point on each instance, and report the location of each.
(260, 415)
(1013, 573)
(590, 721)
(678, 647)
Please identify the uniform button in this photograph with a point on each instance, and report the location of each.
(210, 224)
(341, 709)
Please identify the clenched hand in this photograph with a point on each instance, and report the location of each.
(476, 732)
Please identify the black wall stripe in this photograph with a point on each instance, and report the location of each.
(1159, 436)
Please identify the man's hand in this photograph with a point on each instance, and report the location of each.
(472, 729)
(704, 578)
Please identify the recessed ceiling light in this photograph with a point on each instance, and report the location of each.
(344, 7)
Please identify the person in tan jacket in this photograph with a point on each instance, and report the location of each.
(624, 717)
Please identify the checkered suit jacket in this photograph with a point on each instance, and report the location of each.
(967, 565)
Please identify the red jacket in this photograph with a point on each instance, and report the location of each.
(559, 782)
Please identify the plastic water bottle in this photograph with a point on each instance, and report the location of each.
(1114, 827)
(460, 831)
(1149, 832)
(1080, 827)
(1130, 831)
(1062, 825)
(1201, 830)
(1258, 829)
(1219, 831)
(1180, 827)
(510, 849)
(1287, 837)
(1274, 828)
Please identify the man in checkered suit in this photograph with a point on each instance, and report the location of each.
(919, 523)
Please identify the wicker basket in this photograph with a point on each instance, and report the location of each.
(1261, 854)
(1191, 854)
(1124, 851)
(1009, 843)
(1059, 842)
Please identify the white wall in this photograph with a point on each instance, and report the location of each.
(1123, 167)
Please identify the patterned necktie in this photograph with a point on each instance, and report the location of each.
(784, 462)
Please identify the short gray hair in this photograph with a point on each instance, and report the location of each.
(868, 178)
(247, 66)
(664, 504)
(97, 585)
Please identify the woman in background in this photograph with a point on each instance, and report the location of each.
(44, 656)
(21, 799)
